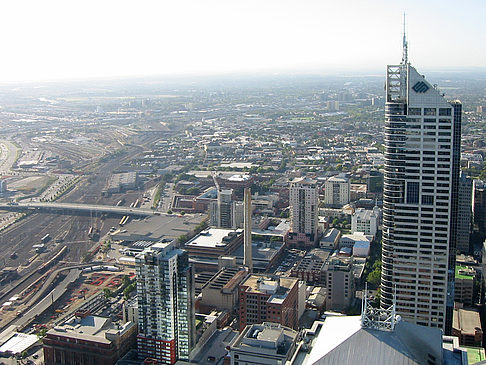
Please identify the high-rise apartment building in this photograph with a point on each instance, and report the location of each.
(420, 202)
(165, 288)
(337, 191)
(303, 201)
(225, 212)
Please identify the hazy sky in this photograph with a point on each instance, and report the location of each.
(50, 39)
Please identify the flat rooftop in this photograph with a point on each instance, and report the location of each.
(260, 251)
(465, 272)
(364, 214)
(467, 321)
(18, 343)
(313, 261)
(267, 338)
(238, 177)
(158, 227)
(91, 328)
(277, 287)
(213, 237)
(227, 278)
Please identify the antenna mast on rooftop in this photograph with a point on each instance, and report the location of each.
(383, 319)
(405, 43)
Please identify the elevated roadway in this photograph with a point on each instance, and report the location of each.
(85, 209)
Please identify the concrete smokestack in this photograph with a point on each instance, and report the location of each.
(247, 261)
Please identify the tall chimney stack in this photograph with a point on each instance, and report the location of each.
(247, 261)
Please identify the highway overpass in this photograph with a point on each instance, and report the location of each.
(76, 208)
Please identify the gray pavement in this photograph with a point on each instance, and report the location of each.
(48, 300)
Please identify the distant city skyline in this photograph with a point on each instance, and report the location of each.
(54, 39)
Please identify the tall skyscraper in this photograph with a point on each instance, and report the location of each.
(165, 288)
(464, 213)
(303, 201)
(420, 201)
(479, 208)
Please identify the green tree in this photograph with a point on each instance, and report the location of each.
(125, 281)
(108, 293)
(374, 277)
(129, 289)
(42, 333)
(182, 239)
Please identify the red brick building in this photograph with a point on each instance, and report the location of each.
(88, 341)
(269, 299)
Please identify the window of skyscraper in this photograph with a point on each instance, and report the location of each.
(412, 192)
(414, 111)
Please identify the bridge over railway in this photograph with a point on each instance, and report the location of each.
(77, 208)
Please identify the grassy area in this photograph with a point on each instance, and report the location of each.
(32, 187)
(158, 193)
(463, 275)
(475, 354)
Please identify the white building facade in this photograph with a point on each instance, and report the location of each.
(304, 202)
(366, 221)
(337, 191)
(422, 154)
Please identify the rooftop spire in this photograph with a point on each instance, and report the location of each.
(405, 43)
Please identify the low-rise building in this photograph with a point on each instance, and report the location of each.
(266, 344)
(89, 340)
(330, 239)
(349, 240)
(464, 285)
(214, 242)
(366, 221)
(121, 182)
(221, 292)
(361, 249)
(467, 326)
(310, 269)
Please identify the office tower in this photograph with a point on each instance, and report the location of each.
(479, 207)
(420, 199)
(247, 255)
(303, 200)
(464, 213)
(165, 288)
(337, 191)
